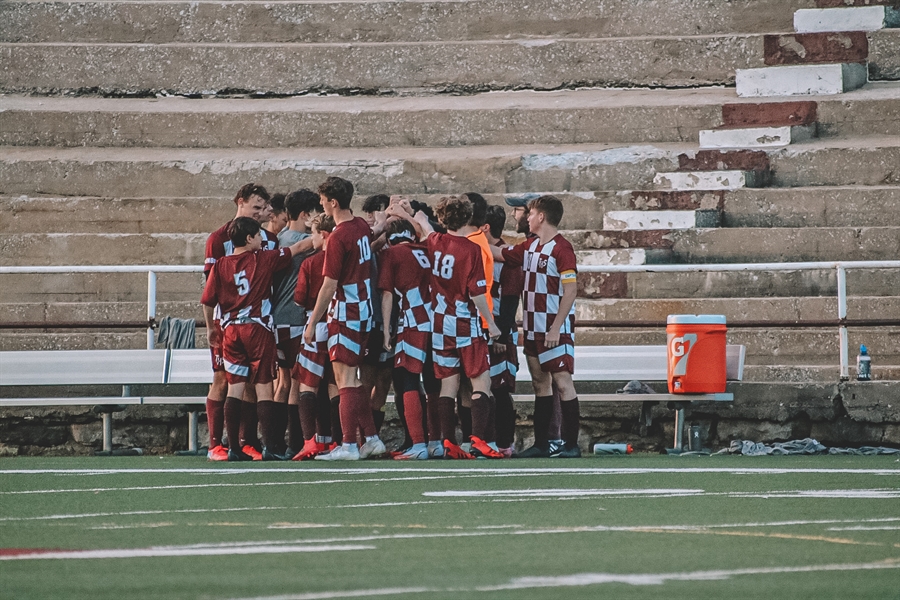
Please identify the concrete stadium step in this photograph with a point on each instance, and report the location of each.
(386, 21)
(523, 117)
(817, 206)
(168, 172)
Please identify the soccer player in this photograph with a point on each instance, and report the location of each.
(276, 216)
(240, 286)
(549, 264)
(290, 318)
(458, 292)
(405, 273)
(346, 294)
(312, 368)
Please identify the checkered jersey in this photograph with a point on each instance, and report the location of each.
(309, 282)
(457, 276)
(405, 271)
(241, 285)
(218, 245)
(509, 280)
(348, 260)
(543, 265)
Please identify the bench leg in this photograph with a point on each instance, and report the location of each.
(107, 432)
(193, 431)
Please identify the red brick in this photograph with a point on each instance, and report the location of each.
(769, 114)
(721, 160)
(682, 200)
(846, 3)
(602, 285)
(811, 48)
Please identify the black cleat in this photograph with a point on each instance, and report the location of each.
(238, 456)
(290, 453)
(557, 447)
(269, 455)
(534, 452)
(568, 452)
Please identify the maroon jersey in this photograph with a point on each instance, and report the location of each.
(241, 285)
(219, 245)
(457, 276)
(348, 260)
(405, 271)
(309, 282)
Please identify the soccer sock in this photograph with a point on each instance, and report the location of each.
(378, 419)
(266, 411)
(364, 413)
(294, 429)
(571, 421)
(447, 418)
(434, 417)
(348, 412)
(543, 412)
(249, 425)
(231, 413)
(412, 406)
(506, 419)
(465, 420)
(323, 414)
(308, 407)
(481, 414)
(215, 419)
(491, 431)
(281, 423)
(337, 432)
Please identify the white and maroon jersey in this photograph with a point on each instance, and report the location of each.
(241, 285)
(405, 271)
(457, 276)
(348, 260)
(309, 282)
(219, 245)
(509, 280)
(546, 268)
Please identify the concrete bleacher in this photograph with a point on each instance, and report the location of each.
(126, 127)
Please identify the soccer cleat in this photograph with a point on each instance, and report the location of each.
(217, 453)
(556, 448)
(311, 449)
(342, 452)
(454, 452)
(252, 452)
(568, 452)
(417, 452)
(269, 455)
(372, 447)
(533, 452)
(435, 450)
(238, 456)
(481, 449)
(290, 453)
(508, 452)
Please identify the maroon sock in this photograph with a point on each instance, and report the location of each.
(249, 425)
(323, 415)
(308, 409)
(364, 413)
(447, 418)
(349, 412)
(231, 413)
(571, 421)
(215, 419)
(265, 409)
(480, 416)
(412, 407)
(294, 430)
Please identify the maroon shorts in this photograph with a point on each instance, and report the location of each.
(288, 340)
(505, 366)
(471, 360)
(249, 353)
(215, 354)
(312, 360)
(346, 345)
(411, 350)
(553, 360)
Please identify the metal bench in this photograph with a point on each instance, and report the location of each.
(134, 367)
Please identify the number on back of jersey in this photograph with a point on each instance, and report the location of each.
(243, 285)
(365, 250)
(443, 266)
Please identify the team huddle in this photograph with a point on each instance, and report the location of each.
(313, 313)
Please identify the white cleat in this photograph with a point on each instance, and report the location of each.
(373, 447)
(417, 452)
(435, 450)
(342, 452)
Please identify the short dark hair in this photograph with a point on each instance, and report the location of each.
(495, 219)
(277, 203)
(251, 189)
(454, 212)
(376, 203)
(335, 188)
(302, 201)
(551, 206)
(479, 208)
(240, 229)
(398, 231)
(417, 206)
(323, 222)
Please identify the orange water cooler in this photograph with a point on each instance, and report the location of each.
(695, 352)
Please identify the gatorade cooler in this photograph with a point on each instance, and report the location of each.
(696, 354)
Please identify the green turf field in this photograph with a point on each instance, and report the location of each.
(618, 527)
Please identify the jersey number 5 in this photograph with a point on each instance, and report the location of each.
(443, 267)
(240, 280)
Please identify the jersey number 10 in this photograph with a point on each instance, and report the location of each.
(365, 251)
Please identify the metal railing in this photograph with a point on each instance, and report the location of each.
(841, 268)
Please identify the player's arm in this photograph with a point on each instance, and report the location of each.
(209, 301)
(387, 305)
(570, 290)
(481, 304)
(506, 320)
(326, 293)
(304, 245)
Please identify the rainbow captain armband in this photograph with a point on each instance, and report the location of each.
(567, 276)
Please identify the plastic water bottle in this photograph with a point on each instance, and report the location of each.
(863, 364)
(613, 449)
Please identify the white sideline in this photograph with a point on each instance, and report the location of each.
(225, 470)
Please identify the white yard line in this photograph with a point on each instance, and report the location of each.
(460, 470)
(227, 550)
(145, 512)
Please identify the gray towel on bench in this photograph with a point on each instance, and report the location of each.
(174, 333)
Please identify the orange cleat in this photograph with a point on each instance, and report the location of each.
(252, 452)
(480, 449)
(217, 453)
(309, 451)
(454, 452)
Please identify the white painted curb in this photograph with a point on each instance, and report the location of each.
(855, 18)
(706, 180)
(612, 256)
(800, 80)
(756, 137)
(622, 220)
